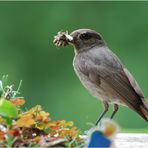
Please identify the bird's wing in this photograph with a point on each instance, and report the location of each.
(113, 73)
(119, 82)
(133, 83)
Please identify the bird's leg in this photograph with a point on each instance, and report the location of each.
(106, 106)
(115, 110)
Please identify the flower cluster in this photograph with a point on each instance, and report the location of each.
(33, 127)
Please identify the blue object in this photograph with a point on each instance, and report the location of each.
(98, 140)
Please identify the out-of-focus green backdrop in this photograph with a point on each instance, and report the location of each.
(27, 53)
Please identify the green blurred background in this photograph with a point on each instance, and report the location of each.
(27, 53)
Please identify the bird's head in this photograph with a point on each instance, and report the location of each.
(84, 39)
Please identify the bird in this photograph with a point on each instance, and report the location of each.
(104, 75)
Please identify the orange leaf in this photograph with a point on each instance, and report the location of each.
(42, 116)
(73, 132)
(25, 121)
(2, 135)
(55, 127)
(14, 132)
(17, 101)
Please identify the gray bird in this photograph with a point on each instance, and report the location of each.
(104, 75)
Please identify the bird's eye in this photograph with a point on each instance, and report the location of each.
(85, 36)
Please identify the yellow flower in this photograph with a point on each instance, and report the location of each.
(25, 121)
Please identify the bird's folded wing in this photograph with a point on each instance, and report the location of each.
(133, 83)
(120, 83)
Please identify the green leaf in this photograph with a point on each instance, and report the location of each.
(7, 109)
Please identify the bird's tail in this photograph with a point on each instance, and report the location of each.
(144, 109)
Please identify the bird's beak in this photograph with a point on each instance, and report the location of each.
(69, 38)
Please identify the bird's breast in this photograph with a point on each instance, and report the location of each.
(82, 66)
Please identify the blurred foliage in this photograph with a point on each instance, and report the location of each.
(28, 54)
(33, 127)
